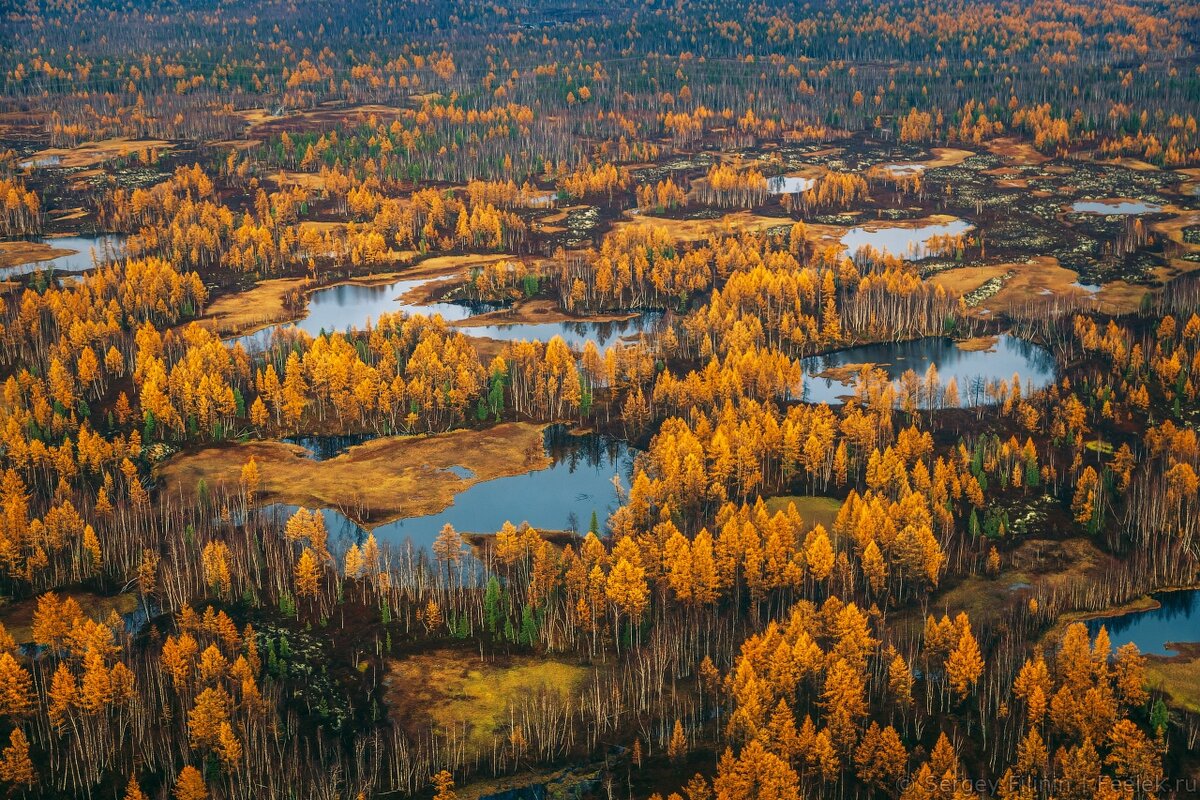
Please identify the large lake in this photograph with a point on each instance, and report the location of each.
(561, 497)
(340, 308)
(1177, 619)
(972, 370)
(575, 333)
(89, 251)
(336, 309)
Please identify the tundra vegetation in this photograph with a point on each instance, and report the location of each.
(270, 264)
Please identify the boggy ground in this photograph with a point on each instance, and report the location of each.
(376, 482)
(90, 154)
(1008, 287)
(456, 693)
(698, 229)
(267, 303)
(1178, 676)
(814, 510)
(1013, 195)
(1034, 567)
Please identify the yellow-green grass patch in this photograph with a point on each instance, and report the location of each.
(456, 693)
(814, 510)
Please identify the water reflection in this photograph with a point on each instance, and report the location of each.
(784, 184)
(1177, 619)
(88, 252)
(904, 169)
(972, 370)
(40, 161)
(563, 496)
(337, 309)
(906, 242)
(1118, 207)
(575, 333)
(323, 448)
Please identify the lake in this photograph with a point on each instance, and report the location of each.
(351, 305)
(784, 184)
(106, 247)
(1177, 619)
(42, 161)
(906, 242)
(560, 497)
(575, 333)
(971, 369)
(1125, 207)
(323, 448)
(900, 170)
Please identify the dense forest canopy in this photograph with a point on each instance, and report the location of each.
(637, 399)
(1109, 73)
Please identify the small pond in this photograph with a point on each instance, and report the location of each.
(40, 161)
(972, 370)
(572, 783)
(575, 333)
(900, 170)
(907, 242)
(1177, 619)
(560, 497)
(543, 200)
(1124, 207)
(323, 448)
(784, 184)
(105, 247)
(352, 305)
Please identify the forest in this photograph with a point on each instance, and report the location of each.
(462, 399)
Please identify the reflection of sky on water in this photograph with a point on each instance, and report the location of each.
(41, 161)
(575, 334)
(784, 184)
(340, 308)
(904, 169)
(904, 242)
(971, 370)
(105, 247)
(1176, 620)
(336, 309)
(560, 497)
(1123, 207)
